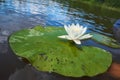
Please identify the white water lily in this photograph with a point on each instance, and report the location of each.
(75, 33)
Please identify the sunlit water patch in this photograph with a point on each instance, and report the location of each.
(52, 13)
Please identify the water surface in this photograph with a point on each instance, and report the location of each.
(19, 14)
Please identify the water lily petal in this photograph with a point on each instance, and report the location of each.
(66, 28)
(69, 30)
(65, 37)
(86, 36)
(77, 41)
(81, 32)
(81, 28)
(73, 25)
(77, 25)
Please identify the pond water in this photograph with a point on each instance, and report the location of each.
(19, 14)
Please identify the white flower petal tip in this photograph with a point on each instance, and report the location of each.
(90, 36)
(77, 41)
(63, 37)
(75, 33)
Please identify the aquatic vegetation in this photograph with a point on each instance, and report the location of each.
(41, 47)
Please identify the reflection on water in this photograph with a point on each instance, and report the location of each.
(18, 14)
(56, 13)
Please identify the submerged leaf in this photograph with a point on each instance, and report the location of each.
(108, 41)
(48, 53)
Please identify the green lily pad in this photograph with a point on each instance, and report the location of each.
(105, 40)
(48, 53)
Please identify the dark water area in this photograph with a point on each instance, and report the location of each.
(20, 14)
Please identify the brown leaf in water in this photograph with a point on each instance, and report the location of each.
(114, 70)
